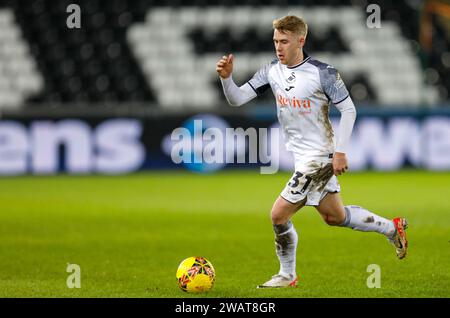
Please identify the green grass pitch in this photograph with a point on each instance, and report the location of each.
(129, 233)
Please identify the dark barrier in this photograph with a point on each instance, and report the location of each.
(205, 142)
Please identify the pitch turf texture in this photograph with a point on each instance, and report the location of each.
(129, 233)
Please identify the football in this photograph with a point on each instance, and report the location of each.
(195, 275)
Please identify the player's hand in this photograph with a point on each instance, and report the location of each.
(225, 66)
(340, 164)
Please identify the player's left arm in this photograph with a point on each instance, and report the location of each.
(336, 91)
(348, 117)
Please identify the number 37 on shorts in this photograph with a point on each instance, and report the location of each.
(299, 183)
(313, 186)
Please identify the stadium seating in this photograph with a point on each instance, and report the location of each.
(122, 52)
(90, 64)
(18, 76)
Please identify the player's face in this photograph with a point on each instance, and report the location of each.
(287, 46)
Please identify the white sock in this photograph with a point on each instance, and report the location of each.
(286, 240)
(361, 219)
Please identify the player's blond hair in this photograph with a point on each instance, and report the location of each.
(292, 24)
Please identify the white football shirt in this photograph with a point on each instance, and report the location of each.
(303, 96)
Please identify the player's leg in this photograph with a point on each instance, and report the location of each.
(286, 237)
(334, 212)
(283, 210)
(331, 209)
(286, 240)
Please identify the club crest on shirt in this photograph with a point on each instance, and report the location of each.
(291, 78)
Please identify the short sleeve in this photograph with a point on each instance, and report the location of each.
(332, 84)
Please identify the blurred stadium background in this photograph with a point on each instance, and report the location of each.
(104, 99)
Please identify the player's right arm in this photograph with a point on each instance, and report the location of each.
(236, 96)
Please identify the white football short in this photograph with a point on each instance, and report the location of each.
(311, 180)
